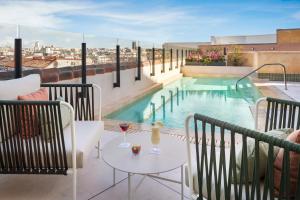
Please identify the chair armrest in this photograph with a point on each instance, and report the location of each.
(73, 133)
(188, 145)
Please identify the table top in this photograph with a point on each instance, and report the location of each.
(172, 154)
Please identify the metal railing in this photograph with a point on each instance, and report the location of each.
(268, 64)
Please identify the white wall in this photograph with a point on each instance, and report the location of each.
(114, 98)
(248, 39)
(215, 70)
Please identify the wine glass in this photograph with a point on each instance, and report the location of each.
(124, 127)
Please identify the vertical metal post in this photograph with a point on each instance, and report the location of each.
(83, 63)
(171, 59)
(225, 55)
(171, 96)
(181, 57)
(182, 94)
(153, 62)
(18, 58)
(138, 77)
(163, 60)
(153, 111)
(177, 96)
(164, 105)
(177, 57)
(118, 67)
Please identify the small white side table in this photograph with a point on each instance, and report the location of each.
(172, 156)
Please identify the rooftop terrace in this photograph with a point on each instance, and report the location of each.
(85, 78)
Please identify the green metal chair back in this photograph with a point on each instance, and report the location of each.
(219, 170)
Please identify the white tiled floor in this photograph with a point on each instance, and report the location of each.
(95, 177)
(293, 90)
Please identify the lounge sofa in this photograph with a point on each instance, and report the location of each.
(52, 136)
(226, 160)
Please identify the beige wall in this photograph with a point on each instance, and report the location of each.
(288, 36)
(291, 59)
(248, 58)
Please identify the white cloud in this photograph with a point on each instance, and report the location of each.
(115, 19)
(35, 13)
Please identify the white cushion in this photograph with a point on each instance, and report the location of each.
(88, 134)
(213, 184)
(11, 89)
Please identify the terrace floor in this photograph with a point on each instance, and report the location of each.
(95, 179)
(94, 182)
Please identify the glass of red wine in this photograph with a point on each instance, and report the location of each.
(124, 127)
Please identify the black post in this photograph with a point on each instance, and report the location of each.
(171, 59)
(177, 57)
(117, 84)
(18, 58)
(163, 60)
(181, 57)
(83, 63)
(138, 77)
(153, 62)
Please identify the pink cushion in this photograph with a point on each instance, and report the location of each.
(29, 129)
(40, 95)
(294, 165)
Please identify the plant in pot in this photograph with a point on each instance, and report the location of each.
(235, 58)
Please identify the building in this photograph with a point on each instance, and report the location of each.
(283, 40)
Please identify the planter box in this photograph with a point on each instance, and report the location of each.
(202, 64)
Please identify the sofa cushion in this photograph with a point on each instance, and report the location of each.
(87, 136)
(29, 124)
(263, 153)
(213, 191)
(11, 89)
(45, 122)
(294, 165)
(194, 167)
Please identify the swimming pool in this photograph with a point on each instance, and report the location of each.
(215, 97)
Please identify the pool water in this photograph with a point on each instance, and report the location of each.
(214, 97)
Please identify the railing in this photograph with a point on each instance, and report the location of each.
(278, 64)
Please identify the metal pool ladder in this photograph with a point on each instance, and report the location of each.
(277, 64)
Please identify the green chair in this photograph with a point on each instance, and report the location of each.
(212, 168)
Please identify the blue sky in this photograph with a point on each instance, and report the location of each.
(154, 21)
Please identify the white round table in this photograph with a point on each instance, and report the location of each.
(172, 156)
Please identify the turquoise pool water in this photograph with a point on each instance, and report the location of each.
(215, 97)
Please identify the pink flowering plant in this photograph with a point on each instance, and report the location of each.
(211, 56)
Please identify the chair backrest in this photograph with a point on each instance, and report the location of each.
(32, 140)
(216, 162)
(80, 96)
(282, 114)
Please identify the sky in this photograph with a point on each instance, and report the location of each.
(151, 21)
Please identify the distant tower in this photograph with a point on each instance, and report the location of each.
(36, 47)
(134, 45)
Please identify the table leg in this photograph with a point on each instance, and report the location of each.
(182, 192)
(98, 149)
(129, 187)
(114, 176)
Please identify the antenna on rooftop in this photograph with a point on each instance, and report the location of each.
(18, 31)
(117, 41)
